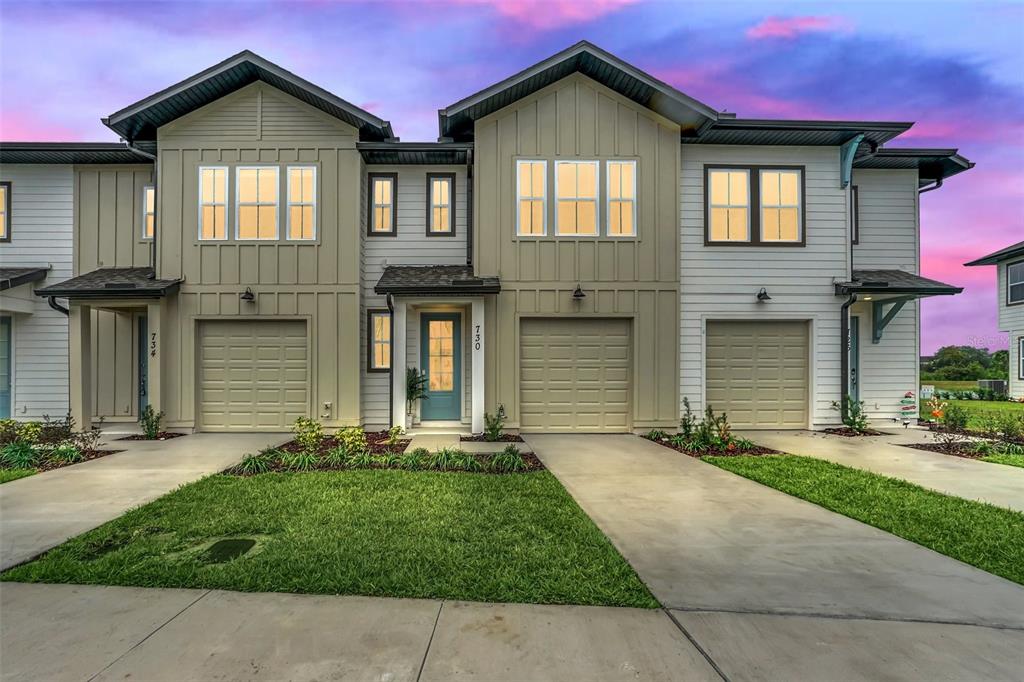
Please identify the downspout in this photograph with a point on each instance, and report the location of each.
(469, 207)
(938, 184)
(152, 157)
(844, 356)
(391, 362)
(52, 302)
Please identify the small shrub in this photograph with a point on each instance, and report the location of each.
(855, 417)
(948, 440)
(445, 459)
(336, 457)
(86, 441)
(65, 453)
(415, 388)
(744, 444)
(29, 432)
(688, 422)
(19, 455)
(8, 431)
(353, 439)
(258, 463)
(309, 434)
(508, 461)
(360, 460)
(469, 462)
(414, 460)
(656, 434)
(395, 434)
(493, 426)
(303, 460)
(1011, 426)
(387, 460)
(55, 431)
(149, 422)
(955, 418)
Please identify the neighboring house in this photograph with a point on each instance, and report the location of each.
(1009, 264)
(583, 248)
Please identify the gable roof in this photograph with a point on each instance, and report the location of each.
(139, 121)
(931, 164)
(456, 120)
(68, 152)
(1000, 255)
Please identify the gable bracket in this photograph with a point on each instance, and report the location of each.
(846, 154)
(881, 318)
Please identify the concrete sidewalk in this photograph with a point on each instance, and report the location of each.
(42, 511)
(996, 484)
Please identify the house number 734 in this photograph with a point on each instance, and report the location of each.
(476, 337)
(152, 345)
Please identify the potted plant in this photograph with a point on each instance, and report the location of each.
(415, 388)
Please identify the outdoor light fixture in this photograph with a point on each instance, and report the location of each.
(578, 295)
(248, 296)
(501, 411)
(763, 296)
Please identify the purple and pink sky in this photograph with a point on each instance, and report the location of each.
(955, 68)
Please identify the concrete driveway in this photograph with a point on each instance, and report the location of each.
(42, 511)
(770, 586)
(996, 484)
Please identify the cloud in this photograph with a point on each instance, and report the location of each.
(549, 14)
(790, 28)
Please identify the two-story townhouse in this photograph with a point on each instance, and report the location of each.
(1009, 264)
(582, 248)
(40, 221)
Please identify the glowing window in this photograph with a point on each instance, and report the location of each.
(213, 192)
(257, 203)
(531, 183)
(576, 185)
(302, 202)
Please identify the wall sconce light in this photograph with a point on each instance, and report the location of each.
(248, 296)
(501, 411)
(763, 296)
(578, 295)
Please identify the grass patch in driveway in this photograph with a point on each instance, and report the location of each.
(979, 534)
(477, 537)
(7, 475)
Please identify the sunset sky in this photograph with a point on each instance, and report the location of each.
(955, 68)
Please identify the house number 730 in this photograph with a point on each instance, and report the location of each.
(476, 337)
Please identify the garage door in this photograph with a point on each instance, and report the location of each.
(757, 373)
(574, 375)
(253, 375)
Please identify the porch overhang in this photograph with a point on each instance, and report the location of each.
(888, 291)
(113, 284)
(11, 278)
(434, 280)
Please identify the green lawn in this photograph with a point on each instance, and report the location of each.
(478, 537)
(979, 534)
(976, 408)
(7, 475)
(952, 385)
(1010, 460)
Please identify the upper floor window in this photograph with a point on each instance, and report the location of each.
(382, 204)
(622, 198)
(213, 193)
(1020, 358)
(379, 345)
(256, 202)
(576, 197)
(301, 202)
(148, 211)
(1015, 283)
(531, 197)
(780, 205)
(5, 211)
(440, 216)
(728, 205)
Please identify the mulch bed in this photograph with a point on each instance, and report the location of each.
(959, 449)
(851, 433)
(377, 440)
(505, 438)
(163, 435)
(86, 456)
(533, 463)
(756, 450)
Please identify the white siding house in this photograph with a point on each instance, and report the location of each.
(1009, 264)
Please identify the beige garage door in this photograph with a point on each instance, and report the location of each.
(252, 375)
(574, 375)
(757, 373)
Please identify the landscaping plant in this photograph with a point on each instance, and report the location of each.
(64, 453)
(414, 460)
(493, 425)
(309, 434)
(955, 418)
(258, 463)
(304, 460)
(508, 461)
(445, 459)
(395, 434)
(336, 457)
(415, 388)
(353, 439)
(149, 421)
(363, 459)
(19, 455)
(855, 418)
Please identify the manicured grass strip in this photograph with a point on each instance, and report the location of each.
(479, 537)
(1011, 460)
(7, 475)
(977, 409)
(979, 534)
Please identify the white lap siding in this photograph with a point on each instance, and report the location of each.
(42, 216)
(721, 282)
(1011, 320)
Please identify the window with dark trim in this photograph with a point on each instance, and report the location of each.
(382, 218)
(754, 205)
(148, 211)
(5, 211)
(855, 215)
(1015, 283)
(378, 340)
(440, 204)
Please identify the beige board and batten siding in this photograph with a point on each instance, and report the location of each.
(108, 233)
(409, 246)
(889, 237)
(627, 278)
(721, 282)
(315, 282)
(41, 224)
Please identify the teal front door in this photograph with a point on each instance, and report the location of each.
(440, 357)
(855, 358)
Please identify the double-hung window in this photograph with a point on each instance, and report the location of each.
(379, 337)
(440, 204)
(780, 205)
(576, 184)
(148, 211)
(1020, 357)
(754, 205)
(5, 211)
(621, 198)
(1015, 283)
(301, 202)
(381, 221)
(213, 197)
(728, 205)
(256, 201)
(531, 199)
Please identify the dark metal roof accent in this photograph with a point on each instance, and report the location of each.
(894, 282)
(931, 164)
(755, 131)
(584, 57)
(107, 283)
(1000, 255)
(400, 153)
(68, 152)
(15, 277)
(139, 121)
(426, 280)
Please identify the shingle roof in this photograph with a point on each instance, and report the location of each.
(15, 277)
(449, 280)
(895, 282)
(1000, 255)
(931, 164)
(68, 152)
(113, 283)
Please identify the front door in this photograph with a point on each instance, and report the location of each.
(6, 366)
(142, 361)
(440, 356)
(855, 358)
